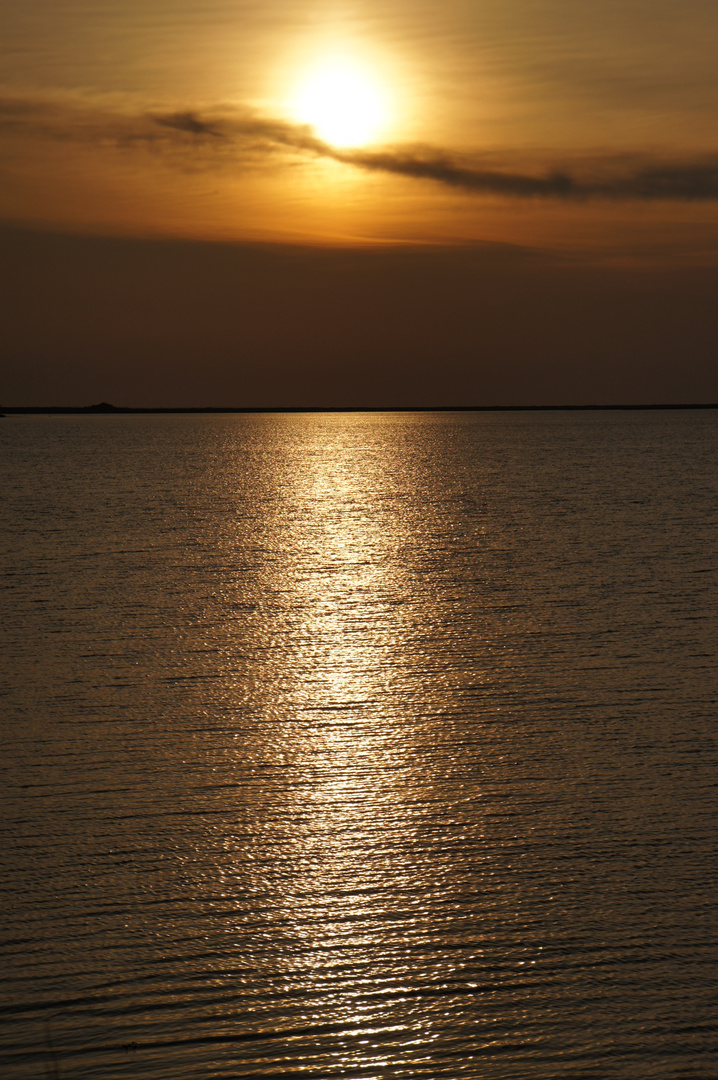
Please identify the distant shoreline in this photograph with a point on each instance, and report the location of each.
(105, 409)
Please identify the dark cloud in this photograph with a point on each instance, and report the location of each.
(442, 169)
(255, 138)
(639, 179)
(189, 122)
(682, 181)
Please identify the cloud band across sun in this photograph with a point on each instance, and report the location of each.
(246, 138)
(637, 177)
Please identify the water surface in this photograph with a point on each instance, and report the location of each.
(359, 746)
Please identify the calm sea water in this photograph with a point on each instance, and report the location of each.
(359, 746)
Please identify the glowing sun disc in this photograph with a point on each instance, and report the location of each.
(342, 103)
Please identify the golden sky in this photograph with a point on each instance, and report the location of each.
(547, 123)
(380, 202)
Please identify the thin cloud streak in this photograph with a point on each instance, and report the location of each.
(254, 138)
(188, 122)
(681, 181)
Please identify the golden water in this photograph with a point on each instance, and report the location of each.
(359, 746)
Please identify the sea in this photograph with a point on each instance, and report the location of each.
(359, 745)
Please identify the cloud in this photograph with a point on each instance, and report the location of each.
(443, 169)
(682, 181)
(609, 178)
(187, 121)
(233, 137)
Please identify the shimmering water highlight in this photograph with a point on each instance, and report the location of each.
(359, 746)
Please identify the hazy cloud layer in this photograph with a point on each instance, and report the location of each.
(172, 322)
(203, 140)
(642, 179)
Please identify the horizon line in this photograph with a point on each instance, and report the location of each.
(106, 409)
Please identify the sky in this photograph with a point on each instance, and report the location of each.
(372, 203)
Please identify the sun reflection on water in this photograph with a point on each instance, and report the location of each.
(354, 751)
(344, 824)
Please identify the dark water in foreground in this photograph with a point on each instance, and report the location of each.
(359, 746)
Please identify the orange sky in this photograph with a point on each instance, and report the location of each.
(619, 98)
(562, 129)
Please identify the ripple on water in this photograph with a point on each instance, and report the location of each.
(359, 745)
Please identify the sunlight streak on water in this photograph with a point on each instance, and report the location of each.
(364, 746)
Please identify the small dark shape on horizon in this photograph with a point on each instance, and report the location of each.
(104, 406)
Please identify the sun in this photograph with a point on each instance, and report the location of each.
(342, 101)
